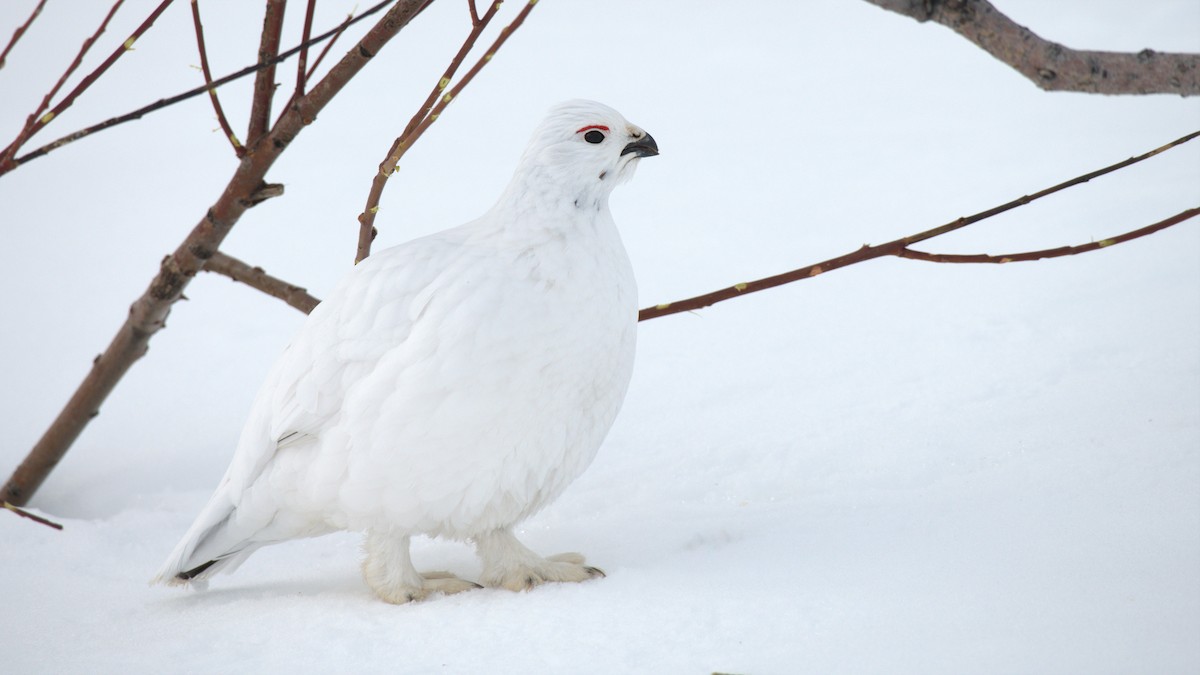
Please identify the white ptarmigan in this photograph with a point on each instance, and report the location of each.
(450, 386)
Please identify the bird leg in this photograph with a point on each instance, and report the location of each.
(389, 571)
(508, 564)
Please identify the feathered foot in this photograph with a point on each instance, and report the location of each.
(389, 571)
(508, 564)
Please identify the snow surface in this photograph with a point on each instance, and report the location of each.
(897, 467)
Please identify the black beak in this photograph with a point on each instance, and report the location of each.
(642, 147)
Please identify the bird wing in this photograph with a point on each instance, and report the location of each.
(369, 314)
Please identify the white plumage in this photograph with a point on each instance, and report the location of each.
(451, 386)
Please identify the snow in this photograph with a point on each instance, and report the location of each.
(895, 467)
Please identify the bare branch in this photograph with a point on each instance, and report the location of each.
(256, 277)
(163, 103)
(238, 148)
(264, 80)
(6, 160)
(337, 33)
(21, 31)
(35, 518)
(302, 77)
(149, 312)
(1059, 252)
(891, 248)
(1050, 65)
(36, 121)
(428, 115)
(302, 62)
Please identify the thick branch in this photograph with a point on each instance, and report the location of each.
(264, 80)
(1050, 65)
(148, 313)
(21, 31)
(256, 277)
(892, 248)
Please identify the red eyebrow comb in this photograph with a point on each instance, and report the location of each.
(601, 127)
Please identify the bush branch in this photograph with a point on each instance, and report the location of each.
(429, 112)
(149, 312)
(264, 79)
(35, 518)
(1050, 65)
(163, 103)
(1059, 252)
(238, 148)
(302, 62)
(38, 120)
(899, 246)
(21, 31)
(256, 277)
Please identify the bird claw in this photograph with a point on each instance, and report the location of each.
(432, 583)
(564, 567)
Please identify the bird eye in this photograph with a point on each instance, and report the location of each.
(595, 133)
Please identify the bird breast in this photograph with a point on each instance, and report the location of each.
(515, 358)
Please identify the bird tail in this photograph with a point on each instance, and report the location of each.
(216, 542)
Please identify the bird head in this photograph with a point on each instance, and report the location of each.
(585, 148)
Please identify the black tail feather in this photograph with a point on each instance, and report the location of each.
(195, 571)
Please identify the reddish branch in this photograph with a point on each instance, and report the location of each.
(35, 518)
(264, 80)
(1049, 252)
(337, 33)
(163, 103)
(302, 62)
(900, 247)
(256, 277)
(1050, 65)
(21, 31)
(307, 75)
(38, 120)
(238, 148)
(429, 112)
(148, 313)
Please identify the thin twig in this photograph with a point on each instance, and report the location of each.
(163, 103)
(35, 518)
(257, 278)
(6, 158)
(21, 31)
(302, 63)
(328, 46)
(313, 68)
(238, 148)
(37, 120)
(891, 248)
(428, 115)
(264, 79)
(1059, 252)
